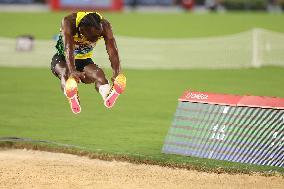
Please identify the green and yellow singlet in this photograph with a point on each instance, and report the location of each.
(83, 48)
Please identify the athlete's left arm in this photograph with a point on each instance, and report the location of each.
(111, 48)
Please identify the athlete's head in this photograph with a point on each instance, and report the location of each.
(91, 26)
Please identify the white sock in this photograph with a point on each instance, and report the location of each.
(64, 91)
(104, 90)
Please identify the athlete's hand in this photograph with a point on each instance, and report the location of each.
(78, 75)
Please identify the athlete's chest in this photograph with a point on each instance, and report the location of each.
(83, 45)
(82, 40)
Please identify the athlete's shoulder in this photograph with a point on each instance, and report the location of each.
(107, 29)
(70, 17)
(69, 23)
(106, 24)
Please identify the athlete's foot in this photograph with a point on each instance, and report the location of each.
(71, 91)
(118, 88)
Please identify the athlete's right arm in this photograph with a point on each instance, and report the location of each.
(67, 32)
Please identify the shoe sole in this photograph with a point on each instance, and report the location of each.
(71, 90)
(119, 83)
(119, 88)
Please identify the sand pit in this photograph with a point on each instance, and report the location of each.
(36, 169)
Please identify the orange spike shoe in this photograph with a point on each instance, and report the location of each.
(71, 91)
(118, 88)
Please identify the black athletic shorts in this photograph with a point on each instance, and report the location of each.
(79, 63)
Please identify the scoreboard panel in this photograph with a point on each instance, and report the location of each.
(223, 127)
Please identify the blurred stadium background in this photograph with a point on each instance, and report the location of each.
(215, 5)
(166, 47)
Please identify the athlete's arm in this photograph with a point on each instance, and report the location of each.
(67, 31)
(111, 48)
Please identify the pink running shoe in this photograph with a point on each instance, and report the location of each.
(118, 88)
(72, 95)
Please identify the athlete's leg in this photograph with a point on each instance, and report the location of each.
(94, 74)
(59, 69)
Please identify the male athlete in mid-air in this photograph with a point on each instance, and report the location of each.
(73, 62)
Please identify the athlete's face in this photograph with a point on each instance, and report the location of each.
(91, 33)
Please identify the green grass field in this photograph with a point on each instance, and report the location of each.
(32, 105)
(154, 25)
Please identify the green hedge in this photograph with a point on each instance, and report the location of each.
(245, 4)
